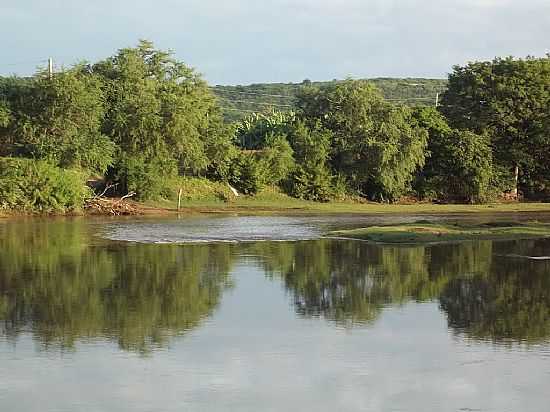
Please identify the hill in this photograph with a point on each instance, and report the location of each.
(240, 101)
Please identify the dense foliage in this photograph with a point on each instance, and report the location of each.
(459, 165)
(58, 119)
(162, 117)
(29, 186)
(141, 119)
(311, 178)
(507, 99)
(375, 145)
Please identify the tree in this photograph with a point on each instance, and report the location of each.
(311, 178)
(160, 111)
(459, 164)
(276, 159)
(375, 145)
(507, 99)
(58, 119)
(463, 163)
(12, 91)
(5, 119)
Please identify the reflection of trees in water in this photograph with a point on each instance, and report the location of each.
(511, 303)
(61, 288)
(483, 294)
(350, 282)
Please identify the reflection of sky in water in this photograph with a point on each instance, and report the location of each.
(228, 229)
(256, 355)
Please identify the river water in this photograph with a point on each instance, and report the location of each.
(233, 313)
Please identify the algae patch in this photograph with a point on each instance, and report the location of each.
(424, 232)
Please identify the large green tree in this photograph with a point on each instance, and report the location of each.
(459, 164)
(311, 179)
(375, 144)
(161, 112)
(508, 99)
(57, 118)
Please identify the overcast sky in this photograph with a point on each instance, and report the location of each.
(246, 41)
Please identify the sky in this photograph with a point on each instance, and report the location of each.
(255, 354)
(251, 41)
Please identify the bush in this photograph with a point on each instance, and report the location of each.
(38, 186)
(311, 179)
(461, 169)
(276, 160)
(310, 184)
(246, 174)
(147, 178)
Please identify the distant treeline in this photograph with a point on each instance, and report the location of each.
(238, 101)
(141, 118)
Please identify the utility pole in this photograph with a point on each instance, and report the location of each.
(50, 68)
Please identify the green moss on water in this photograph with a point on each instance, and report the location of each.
(437, 233)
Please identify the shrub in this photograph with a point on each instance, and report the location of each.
(462, 169)
(311, 179)
(38, 186)
(147, 178)
(276, 161)
(246, 174)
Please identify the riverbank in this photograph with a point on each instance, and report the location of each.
(426, 232)
(271, 200)
(296, 206)
(277, 203)
(198, 199)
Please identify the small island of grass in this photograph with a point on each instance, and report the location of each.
(424, 232)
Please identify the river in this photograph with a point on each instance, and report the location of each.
(259, 313)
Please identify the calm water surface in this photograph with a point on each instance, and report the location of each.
(261, 314)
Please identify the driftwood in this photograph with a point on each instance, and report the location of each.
(107, 187)
(99, 205)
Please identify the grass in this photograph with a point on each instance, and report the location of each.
(271, 200)
(202, 195)
(422, 232)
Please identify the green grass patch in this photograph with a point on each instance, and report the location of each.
(436, 233)
(272, 200)
(203, 195)
(196, 189)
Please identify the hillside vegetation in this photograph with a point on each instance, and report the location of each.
(239, 101)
